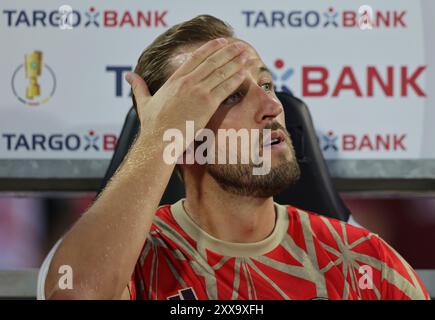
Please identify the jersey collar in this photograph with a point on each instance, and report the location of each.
(232, 249)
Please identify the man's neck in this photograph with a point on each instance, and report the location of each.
(226, 216)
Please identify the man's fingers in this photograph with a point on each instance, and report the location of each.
(226, 88)
(226, 71)
(218, 59)
(138, 86)
(199, 55)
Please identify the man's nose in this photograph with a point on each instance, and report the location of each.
(268, 106)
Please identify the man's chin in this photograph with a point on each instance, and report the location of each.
(240, 180)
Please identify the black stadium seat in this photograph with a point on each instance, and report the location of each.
(314, 191)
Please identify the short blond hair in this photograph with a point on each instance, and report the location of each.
(152, 64)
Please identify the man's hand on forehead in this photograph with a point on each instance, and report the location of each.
(204, 79)
(183, 54)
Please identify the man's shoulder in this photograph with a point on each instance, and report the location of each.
(392, 276)
(334, 232)
(320, 223)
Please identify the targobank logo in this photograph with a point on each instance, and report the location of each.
(67, 142)
(331, 142)
(90, 18)
(329, 18)
(314, 81)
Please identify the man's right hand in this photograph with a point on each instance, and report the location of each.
(195, 90)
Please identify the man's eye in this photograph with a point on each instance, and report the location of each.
(234, 98)
(268, 86)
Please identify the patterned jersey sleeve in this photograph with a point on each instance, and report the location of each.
(399, 280)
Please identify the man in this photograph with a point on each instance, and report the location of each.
(227, 239)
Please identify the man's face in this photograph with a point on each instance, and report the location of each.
(253, 106)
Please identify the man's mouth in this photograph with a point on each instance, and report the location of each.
(277, 137)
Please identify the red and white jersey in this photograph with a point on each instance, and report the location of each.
(307, 256)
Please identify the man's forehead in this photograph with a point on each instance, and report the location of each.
(185, 52)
